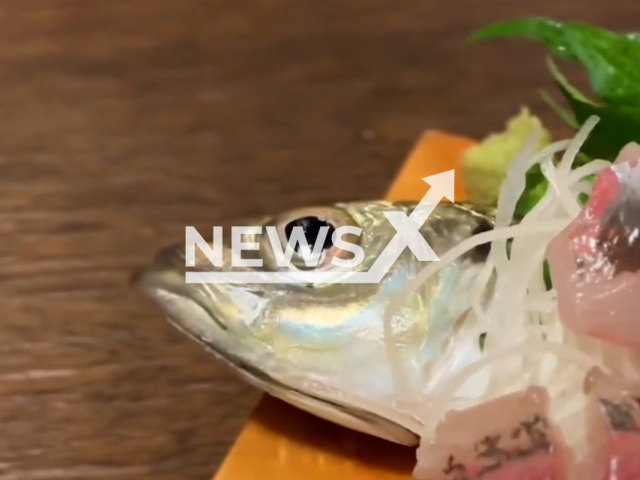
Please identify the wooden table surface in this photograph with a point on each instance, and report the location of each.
(122, 121)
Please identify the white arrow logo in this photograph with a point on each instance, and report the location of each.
(407, 236)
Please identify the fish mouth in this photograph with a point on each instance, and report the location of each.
(188, 310)
(163, 281)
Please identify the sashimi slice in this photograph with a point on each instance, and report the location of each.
(511, 437)
(595, 261)
(613, 416)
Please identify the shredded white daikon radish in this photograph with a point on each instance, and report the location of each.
(592, 168)
(497, 234)
(526, 342)
(516, 182)
(573, 149)
(439, 399)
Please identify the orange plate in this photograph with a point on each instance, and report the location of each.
(280, 442)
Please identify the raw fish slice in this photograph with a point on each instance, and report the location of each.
(613, 416)
(508, 438)
(630, 152)
(595, 261)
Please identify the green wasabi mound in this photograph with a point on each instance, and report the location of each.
(485, 165)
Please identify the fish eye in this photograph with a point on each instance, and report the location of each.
(311, 227)
(308, 226)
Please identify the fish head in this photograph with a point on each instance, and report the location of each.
(320, 345)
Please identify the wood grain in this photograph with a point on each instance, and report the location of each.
(123, 121)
